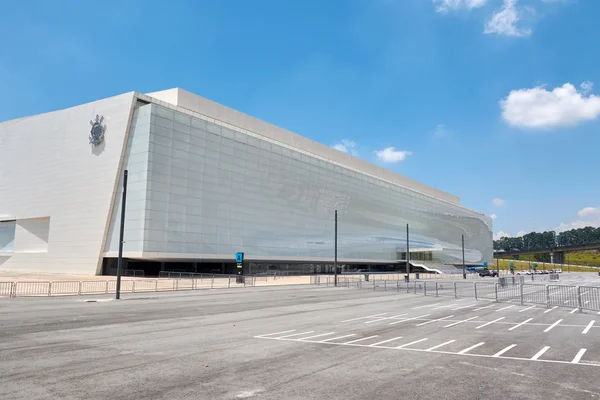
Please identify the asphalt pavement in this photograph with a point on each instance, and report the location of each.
(294, 343)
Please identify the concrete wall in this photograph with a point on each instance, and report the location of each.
(58, 187)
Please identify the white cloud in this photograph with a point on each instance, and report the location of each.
(589, 212)
(586, 87)
(498, 202)
(440, 131)
(521, 233)
(444, 6)
(540, 108)
(500, 235)
(391, 155)
(493, 216)
(346, 146)
(504, 21)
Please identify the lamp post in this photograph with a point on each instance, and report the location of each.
(121, 231)
(335, 267)
(463, 257)
(407, 256)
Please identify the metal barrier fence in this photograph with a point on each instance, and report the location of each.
(134, 272)
(64, 288)
(580, 297)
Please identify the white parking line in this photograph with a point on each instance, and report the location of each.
(277, 333)
(358, 340)
(368, 316)
(408, 344)
(489, 323)
(483, 308)
(470, 348)
(460, 308)
(337, 337)
(540, 353)
(519, 324)
(385, 341)
(504, 350)
(553, 325)
(528, 308)
(578, 356)
(460, 322)
(440, 345)
(383, 319)
(434, 320)
(588, 327)
(295, 334)
(550, 309)
(446, 306)
(428, 305)
(505, 308)
(575, 309)
(409, 319)
(322, 334)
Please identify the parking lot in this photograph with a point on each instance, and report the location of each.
(295, 343)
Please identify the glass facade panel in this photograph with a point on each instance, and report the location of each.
(274, 202)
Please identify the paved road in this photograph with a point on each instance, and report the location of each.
(294, 343)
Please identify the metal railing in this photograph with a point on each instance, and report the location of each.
(505, 290)
(66, 288)
(134, 272)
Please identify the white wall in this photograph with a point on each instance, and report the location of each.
(48, 169)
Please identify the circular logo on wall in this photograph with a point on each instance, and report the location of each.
(97, 131)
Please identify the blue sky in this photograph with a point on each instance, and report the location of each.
(486, 99)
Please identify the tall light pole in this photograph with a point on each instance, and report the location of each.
(463, 257)
(121, 232)
(335, 267)
(407, 256)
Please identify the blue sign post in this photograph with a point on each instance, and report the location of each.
(485, 264)
(239, 257)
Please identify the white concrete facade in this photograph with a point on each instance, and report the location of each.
(191, 162)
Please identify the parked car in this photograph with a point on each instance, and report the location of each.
(487, 272)
(524, 273)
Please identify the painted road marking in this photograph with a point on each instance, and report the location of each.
(575, 309)
(505, 308)
(434, 320)
(429, 305)
(409, 319)
(504, 350)
(322, 334)
(385, 341)
(540, 353)
(547, 311)
(588, 327)
(519, 324)
(463, 353)
(337, 337)
(440, 345)
(382, 319)
(449, 305)
(460, 322)
(295, 334)
(408, 344)
(489, 323)
(528, 308)
(278, 333)
(483, 308)
(578, 356)
(553, 325)
(358, 340)
(460, 308)
(470, 348)
(368, 316)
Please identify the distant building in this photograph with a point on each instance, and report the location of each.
(206, 181)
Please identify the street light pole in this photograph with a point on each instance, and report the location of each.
(463, 257)
(121, 232)
(407, 256)
(335, 267)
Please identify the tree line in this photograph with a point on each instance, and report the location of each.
(549, 239)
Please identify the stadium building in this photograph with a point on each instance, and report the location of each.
(204, 182)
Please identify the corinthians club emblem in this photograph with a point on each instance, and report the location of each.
(97, 131)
